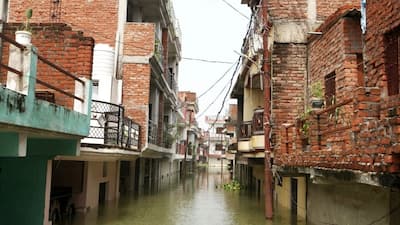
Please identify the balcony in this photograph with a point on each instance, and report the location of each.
(158, 50)
(251, 136)
(26, 122)
(110, 128)
(357, 133)
(244, 144)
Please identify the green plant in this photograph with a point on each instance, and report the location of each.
(317, 90)
(234, 185)
(26, 25)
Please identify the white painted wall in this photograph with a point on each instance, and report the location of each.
(95, 177)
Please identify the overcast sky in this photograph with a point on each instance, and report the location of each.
(211, 30)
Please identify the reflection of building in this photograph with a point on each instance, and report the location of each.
(217, 140)
(346, 150)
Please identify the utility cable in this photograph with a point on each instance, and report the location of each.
(212, 103)
(230, 5)
(227, 93)
(207, 60)
(216, 82)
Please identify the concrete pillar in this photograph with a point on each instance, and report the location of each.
(26, 62)
(83, 91)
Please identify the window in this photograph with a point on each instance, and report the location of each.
(95, 89)
(392, 61)
(330, 89)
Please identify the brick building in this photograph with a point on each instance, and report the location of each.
(134, 68)
(346, 150)
(45, 117)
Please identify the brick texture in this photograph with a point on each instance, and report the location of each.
(139, 39)
(383, 17)
(62, 46)
(361, 131)
(135, 95)
(326, 8)
(98, 19)
(289, 73)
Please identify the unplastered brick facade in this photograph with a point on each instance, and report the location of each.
(297, 10)
(62, 46)
(289, 72)
(98, 19)
(139, 42)
(360, 130)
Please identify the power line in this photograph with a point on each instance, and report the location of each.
(207, 60)
(227, 93)
(212, 103)
(230, 5)
(216, 82)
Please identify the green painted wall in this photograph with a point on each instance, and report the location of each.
(52, 147)
(9, 144)
(22, 190)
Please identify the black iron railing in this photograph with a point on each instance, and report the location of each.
(258, 121)
(153, 132)
(108, 123)
(245, 130)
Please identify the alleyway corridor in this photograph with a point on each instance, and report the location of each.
(194, 201)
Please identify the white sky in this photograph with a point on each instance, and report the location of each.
(210, 30)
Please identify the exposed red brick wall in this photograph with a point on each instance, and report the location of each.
(338, 47)
(326, 8)
(136, 94)
(288, 81)
(382, 17)
(291, 10)
(187, 96)
(62, 46)
(96, 18)
(139, 39)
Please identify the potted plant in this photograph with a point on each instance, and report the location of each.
(317, 94)
(24, 34)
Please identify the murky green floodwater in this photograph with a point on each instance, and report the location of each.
(194, 201)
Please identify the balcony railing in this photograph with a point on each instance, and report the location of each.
(109, 124)
(153, 132)
(258, 122)
(158, 50)
(171, 81)
(245, 130)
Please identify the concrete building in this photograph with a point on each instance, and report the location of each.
(134, 67)
(218, 141)
(190, 136)
(44, 113)
(331, 164)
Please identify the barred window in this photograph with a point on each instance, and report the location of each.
(330, 89)
(392, 60)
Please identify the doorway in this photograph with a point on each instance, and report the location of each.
(102, 193)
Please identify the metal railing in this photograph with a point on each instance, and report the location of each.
(158, 49)
(153, 132)
(245, 130)
(171, 81)
(258, 121)
(47, 62)
(108, 123)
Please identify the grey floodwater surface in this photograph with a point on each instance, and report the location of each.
(197, 200)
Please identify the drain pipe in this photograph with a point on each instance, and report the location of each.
(267, 115)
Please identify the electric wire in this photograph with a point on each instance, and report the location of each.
(227, 93)
(230, 5)
(212, 103)
(207, 60)
(216, 82)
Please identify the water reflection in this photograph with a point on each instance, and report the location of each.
(198, 200)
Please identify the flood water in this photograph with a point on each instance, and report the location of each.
(197, 200)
